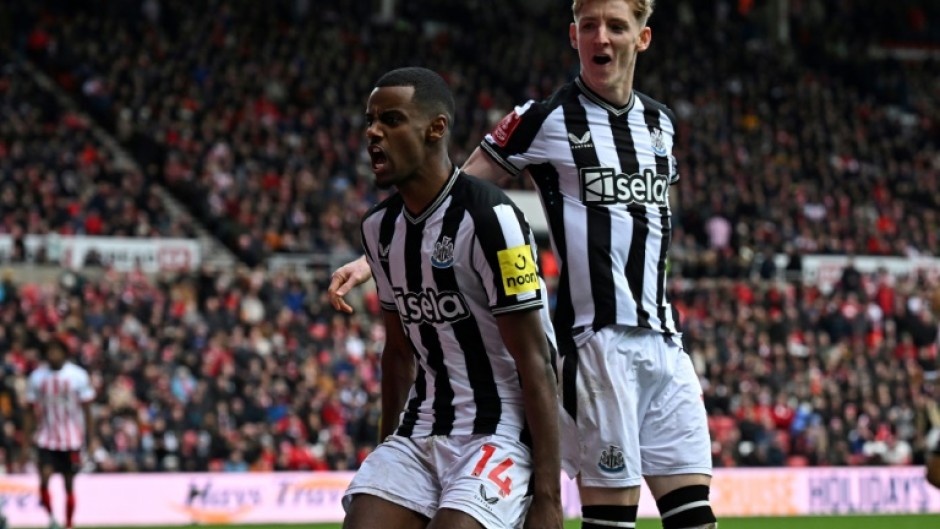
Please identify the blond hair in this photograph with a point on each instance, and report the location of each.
(642, 9)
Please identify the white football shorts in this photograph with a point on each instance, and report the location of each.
(484, 476)
(639, 410)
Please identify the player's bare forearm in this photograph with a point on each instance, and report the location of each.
(480, 164)
(86, 411)
(398, 373)
(524, 336)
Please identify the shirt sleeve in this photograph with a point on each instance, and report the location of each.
(504, 256)
(32, 389)
(376, 255)
(86, 392)
(517, 141)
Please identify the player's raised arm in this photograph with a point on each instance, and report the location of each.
(524, 336)
(481, 165)
(398, 373)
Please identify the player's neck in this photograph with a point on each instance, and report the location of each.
(420, 191)
(618, 95)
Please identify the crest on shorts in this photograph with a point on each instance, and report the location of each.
(443, 256)
(488, 499)
(659, 143)
(611, 459)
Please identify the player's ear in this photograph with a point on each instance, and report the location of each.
(573, 35)
(644, 38)
(437, 128)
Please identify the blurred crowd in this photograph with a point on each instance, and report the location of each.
(204, 371)
(56, 177)
(251, 114)
(247, 370)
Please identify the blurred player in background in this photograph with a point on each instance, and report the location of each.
(59, 395)
(466, 362)
(601, 157)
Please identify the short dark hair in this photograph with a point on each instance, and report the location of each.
(431, 91)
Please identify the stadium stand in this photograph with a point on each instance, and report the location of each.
(257, 137)
(250, 112)
(56, 177)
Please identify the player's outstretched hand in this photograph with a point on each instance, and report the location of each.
(350, 275)
(544, 514)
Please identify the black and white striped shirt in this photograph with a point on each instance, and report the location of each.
(603, 175)
(448, 272)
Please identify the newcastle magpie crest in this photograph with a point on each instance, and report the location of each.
(443, 256)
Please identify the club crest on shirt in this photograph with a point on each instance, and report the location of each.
(658, 142)
(611, 459)
(443, 256)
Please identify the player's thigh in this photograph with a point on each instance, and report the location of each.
(599, 438)
(661, 485)
(674, 438)
(398, 471)
(486, 478)
(366, 511)
(453, 519)
(608, 496)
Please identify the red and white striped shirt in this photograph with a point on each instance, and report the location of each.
(58, 397)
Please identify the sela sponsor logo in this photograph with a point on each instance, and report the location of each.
(430, 306)
(611, 460)
(603, 185)
(517, 267)
(658, 142)
(584, 142)
(443, 256)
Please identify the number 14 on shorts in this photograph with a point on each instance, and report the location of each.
(504, 484)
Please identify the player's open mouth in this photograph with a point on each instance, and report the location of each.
(602, 59)
(379, 158)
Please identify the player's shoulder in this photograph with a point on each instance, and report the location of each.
(476, 193)
(540, 109)
(73, 369)
(537, 110)
(41, 371)
(649, 102)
